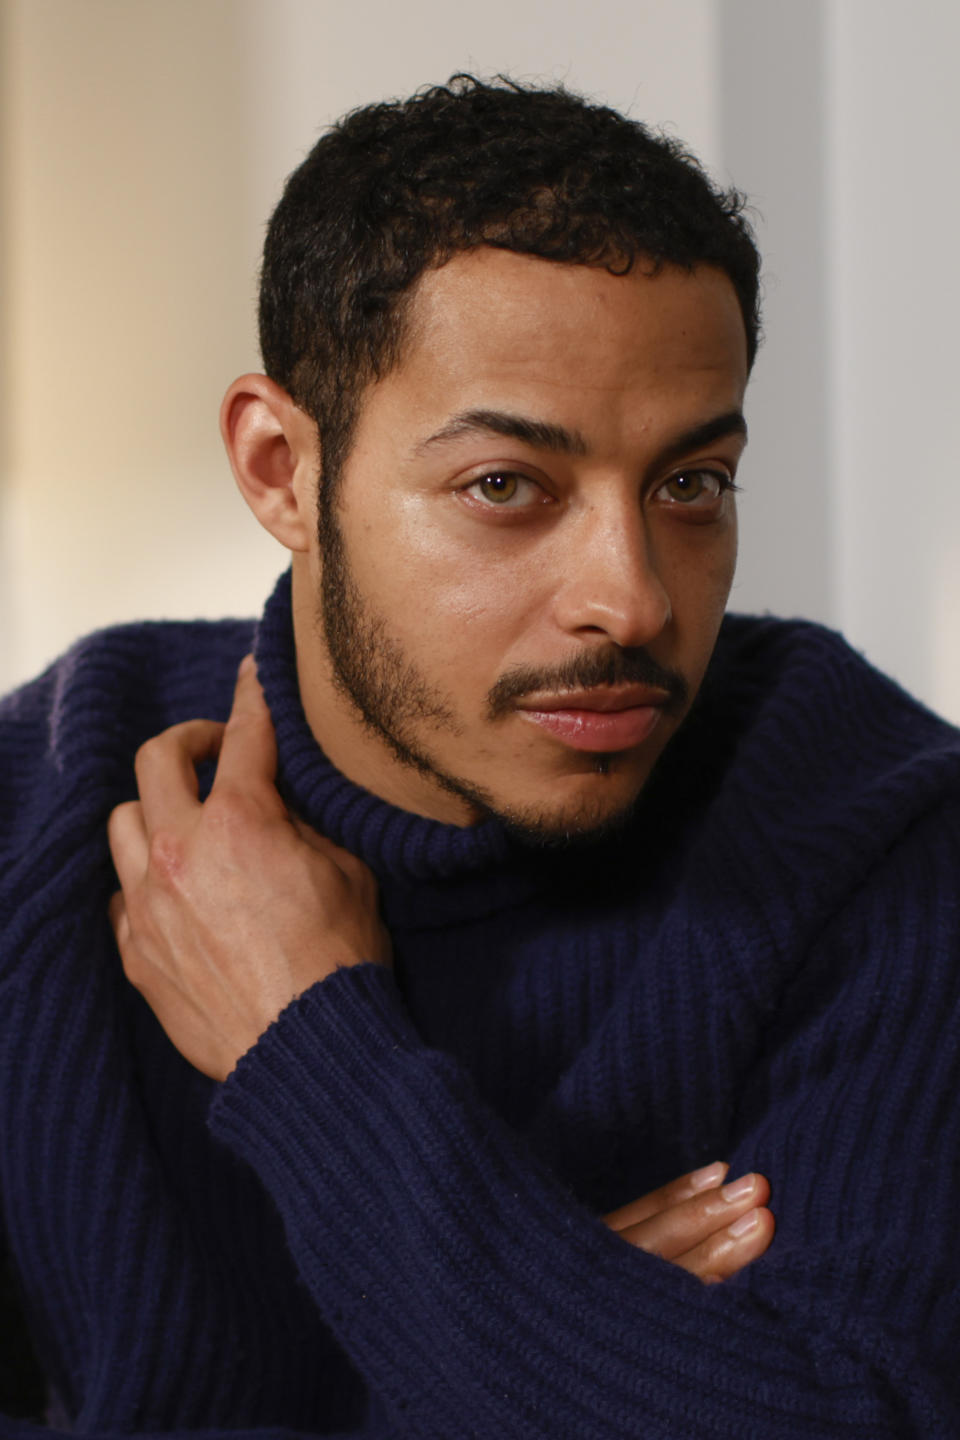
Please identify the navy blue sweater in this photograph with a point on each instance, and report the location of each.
(385, 1222)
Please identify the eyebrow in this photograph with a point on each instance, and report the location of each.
(542, 435)
(732, 423)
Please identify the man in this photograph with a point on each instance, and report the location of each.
(568, 891)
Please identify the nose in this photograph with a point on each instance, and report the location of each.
(611, 584)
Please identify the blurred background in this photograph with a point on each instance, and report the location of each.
(144, 143)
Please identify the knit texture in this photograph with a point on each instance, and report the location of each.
(386, 1221)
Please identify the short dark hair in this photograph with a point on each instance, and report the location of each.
(397, 188)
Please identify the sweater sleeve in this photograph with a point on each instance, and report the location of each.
(479, 1298)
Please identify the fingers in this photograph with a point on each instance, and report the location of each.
(712, 1234)
(119, 918)
(167, 773)
(727, 1252)
(249, 751)
(127, 834)
(683, 1188)
(245, 750)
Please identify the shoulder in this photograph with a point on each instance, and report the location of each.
(811, 717)
(811, 776)
(67, 739)
(809, 664)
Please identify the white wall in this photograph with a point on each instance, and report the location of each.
(144, 145)
(773, 126)
(310, 62)
(840, 117)
(895, 206)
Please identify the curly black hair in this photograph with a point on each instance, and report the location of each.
(397, 188)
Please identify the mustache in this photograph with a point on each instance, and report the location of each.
(614, 665)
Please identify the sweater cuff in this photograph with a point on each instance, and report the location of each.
(343, 1024)
(427, 1234)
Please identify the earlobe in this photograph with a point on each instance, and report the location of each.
(272, 447)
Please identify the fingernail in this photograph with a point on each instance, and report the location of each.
(708, 1176)
(744, 1225)
(246, 665)
(739, 1189)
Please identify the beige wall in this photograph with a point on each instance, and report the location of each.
(144, 142)
(128, 281)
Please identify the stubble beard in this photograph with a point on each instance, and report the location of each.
(396, 703)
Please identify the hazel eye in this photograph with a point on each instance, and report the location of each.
(691, 486)
(498, 488)
(501, 487)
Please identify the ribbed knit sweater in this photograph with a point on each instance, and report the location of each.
(385, 1222)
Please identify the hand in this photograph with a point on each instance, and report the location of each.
(231, 907)
(689, 1222)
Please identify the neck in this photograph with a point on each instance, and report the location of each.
(341, 731)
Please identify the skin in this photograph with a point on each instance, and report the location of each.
(593, 558)
(470, 565)
(212, 959)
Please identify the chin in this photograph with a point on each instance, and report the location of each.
(585, 819)
(546, 831)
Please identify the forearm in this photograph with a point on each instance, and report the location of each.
(471, 1290)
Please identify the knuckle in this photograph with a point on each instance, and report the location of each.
(193, 737)
(147, 753)
(156, 751)
(119, 818)
(242, 723)
(669, 1196)
(166, 854)
(227, 808)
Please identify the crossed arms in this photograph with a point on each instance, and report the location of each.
(230, 908)
(549, 1324)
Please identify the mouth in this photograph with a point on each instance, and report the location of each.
(603, 720)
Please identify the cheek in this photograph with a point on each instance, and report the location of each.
(697, 570)
(443, 594)
(711, 578)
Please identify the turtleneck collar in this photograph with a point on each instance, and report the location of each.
(428, 871)
(432, 874)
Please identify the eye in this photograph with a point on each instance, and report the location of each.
(696, 487)
(505, 488)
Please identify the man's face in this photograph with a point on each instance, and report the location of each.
(532, 542)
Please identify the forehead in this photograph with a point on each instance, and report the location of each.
(494, 328)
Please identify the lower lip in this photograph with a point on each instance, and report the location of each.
(598, 730)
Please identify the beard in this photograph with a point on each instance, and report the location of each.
(399, 705)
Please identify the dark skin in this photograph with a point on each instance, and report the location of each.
(593, 514)
(217, 922)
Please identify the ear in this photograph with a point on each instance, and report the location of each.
(274, 454)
